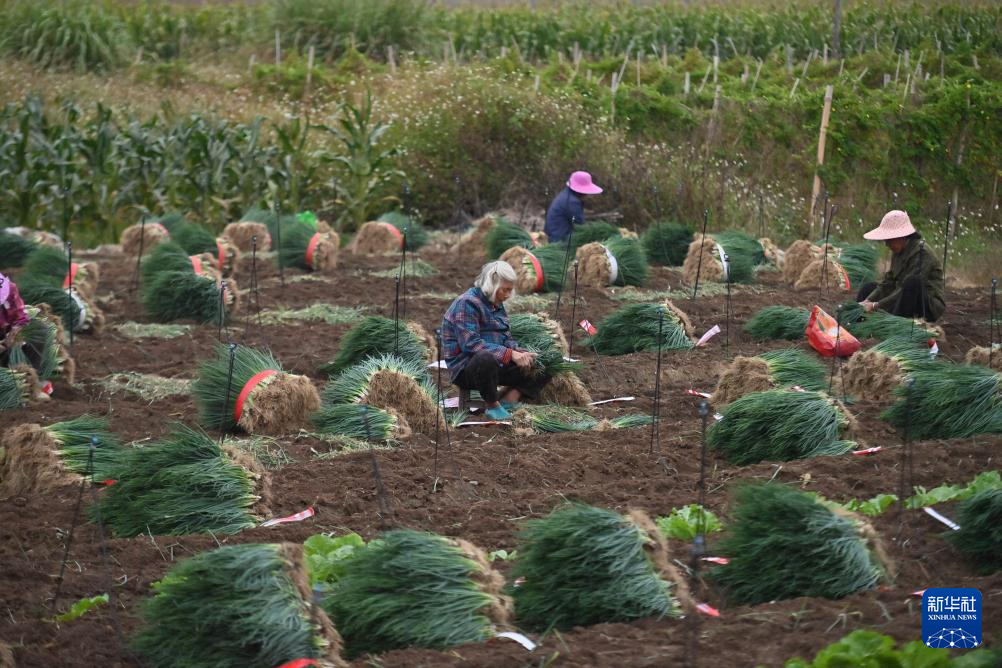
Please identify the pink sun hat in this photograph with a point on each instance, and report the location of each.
(4, 288)
(580, 182)
(894, 225)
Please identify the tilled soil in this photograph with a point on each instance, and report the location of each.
(482, 483)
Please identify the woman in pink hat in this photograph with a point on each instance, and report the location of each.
(913, 288)
(567, 209)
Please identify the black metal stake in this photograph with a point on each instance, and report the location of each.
(826, 226)
(396, 318)
(384, 505)
(905, 486)
(69, 278)
(222, 308)
(994, 326)
(105, 560)
(699, 265)
(69, 544)
(698, 548)
(838, 336)
(441, 408)
(402, 274)
(139, 258)
(277, 207)
(225, 418)
(656, 408)
(946, 237)
(729, 307)
(563, 274)
(574, 312)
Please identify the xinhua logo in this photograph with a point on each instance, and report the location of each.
(951, 618)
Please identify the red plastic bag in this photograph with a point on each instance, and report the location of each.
(823, 331)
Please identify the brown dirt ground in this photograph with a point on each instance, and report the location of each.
(487, 482)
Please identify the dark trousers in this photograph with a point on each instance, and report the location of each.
(483, 374)
(913, 301)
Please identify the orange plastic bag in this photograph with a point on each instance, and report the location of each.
(827, 337)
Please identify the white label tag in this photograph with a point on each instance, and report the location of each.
(298, 517)
(722, 254)
(613, 266)
(519, 638)
(438, 365)
(948, 522)
(609, 401)
(451, 402)
(710, 333)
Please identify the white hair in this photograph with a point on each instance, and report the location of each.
(492, 275)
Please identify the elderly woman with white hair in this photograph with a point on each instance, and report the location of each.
(479, 349)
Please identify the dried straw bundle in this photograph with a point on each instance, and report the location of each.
(376, 237)
(252, 604)
(539, 270)
(777, 530)
(875, 373)
(473, 242)
(780, 425)
(827, 274)
(388, 382)
(415, 235)
(990, 358)
(262, 398)
(584, 565)
(30, 464)
(147, 236)
(614, 261)
(773, 369)
(800, 254)
(308, 249)
(416, 589)
(241, 235)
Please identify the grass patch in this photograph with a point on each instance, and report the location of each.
(305, 278)
(146, 386)
(531, 303)
(267, 450)
(416, 268)
(638, 296)
(153, 330)
(322, 312)
(443, 296)
(345, 445)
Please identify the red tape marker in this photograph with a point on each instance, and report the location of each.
(868, 451)
(109, 482)
(708, 610)
(588, 327)
(298, 517)
(300, 663)
(222, 254)
(396, 232)
(697, 393)
(538, 268)
(196, 264)
(72, 276)
(846, 283)
(249, 386)
(311, 247)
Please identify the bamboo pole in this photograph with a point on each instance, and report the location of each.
(822, 136)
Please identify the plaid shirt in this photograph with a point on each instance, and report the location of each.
(471, 325)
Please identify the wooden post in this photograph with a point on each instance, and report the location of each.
(687, 84)
(824, 57)
(250, 63)
(897, 69)
(705, 78)
(391, 59)
(822, 136)
(758, 70)
(789, 59)
(716, 66)
(638, 68)
(664, 55)
(837, 29)
(278, 48)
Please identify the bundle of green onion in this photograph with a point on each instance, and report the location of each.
(376, 335)
(948, 401)
(980, 534)
(636, 327)
(414, 232)
(73, 440)
(504, 235)
(667, 243)
(14, 249)
(778, 322)
(356, 420)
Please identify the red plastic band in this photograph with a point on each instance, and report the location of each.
(109, 482)
(538, 269)
(300, 663)
(396, 232)
(222, 254)
(249, 386)
(311, 248)
(196, 264)
(72, 276)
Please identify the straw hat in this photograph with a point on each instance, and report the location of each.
(894, 225)
(580, 182)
